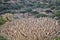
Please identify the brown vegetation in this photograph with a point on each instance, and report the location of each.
(31, 29)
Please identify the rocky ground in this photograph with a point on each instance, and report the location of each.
(31, 29)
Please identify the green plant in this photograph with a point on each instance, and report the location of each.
(6, 0)
(57, 14)
(58, 38)
(34, 12)
(2, 38)
(18, 5)
(49, 5)
(23, 11)
(42, 5)
(58, 8)
(40, 15)
(2, 20)
(28, 9)
(55, 38)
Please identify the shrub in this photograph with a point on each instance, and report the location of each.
(57, 14)
(23, 11)
(55, 38)
(58, 8)
(2, 38)
(34, 12)
(30, 5)
(40, 15)
(58, 38)
(2, 20)
(18, 6)
(38, 5)
(49, 5)
(28, 9)
(42, 5)
(58, 3)
(23, 29)
(6, 0)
